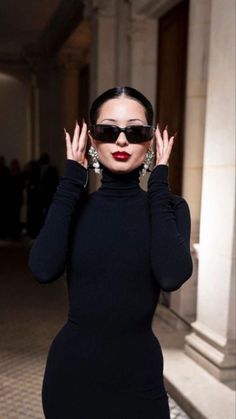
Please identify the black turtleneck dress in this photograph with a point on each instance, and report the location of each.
(119, 245)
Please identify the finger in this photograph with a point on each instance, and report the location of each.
(154, 147)
(83, 138)
(170, 146)
(75, 140)
(68, 145)
(165, 138)
(171, 141)
(159, 141)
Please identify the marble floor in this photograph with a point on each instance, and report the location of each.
(30, 316)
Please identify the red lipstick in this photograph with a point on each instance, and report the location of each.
(121, 155)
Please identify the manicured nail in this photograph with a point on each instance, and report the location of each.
(166, 127)
(65, 131)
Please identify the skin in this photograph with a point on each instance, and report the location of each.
(120, 111)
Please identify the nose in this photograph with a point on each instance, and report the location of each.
(122, 140)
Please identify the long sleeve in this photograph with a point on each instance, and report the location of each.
(170, 220)
(48, 254)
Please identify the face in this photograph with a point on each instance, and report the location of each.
(121, 156)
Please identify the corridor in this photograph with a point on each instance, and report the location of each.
(31, 315)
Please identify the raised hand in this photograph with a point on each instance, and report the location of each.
(164, 146)
(76, 149)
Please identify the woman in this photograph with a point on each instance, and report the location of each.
(120, 246)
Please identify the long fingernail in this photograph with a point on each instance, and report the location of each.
(166, 127)
(175, 135)
(65, 131)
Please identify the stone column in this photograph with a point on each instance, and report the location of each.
(184, 300)
(212, 343)
(70, 71)
(122, 67)
(143, 54)
(49, 112)
(143, 60)
(103, 58)
(103, 46)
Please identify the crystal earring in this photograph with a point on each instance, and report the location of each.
(148, 161)
(94, 159)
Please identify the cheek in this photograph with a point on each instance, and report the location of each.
(103, 149)
(140, 152)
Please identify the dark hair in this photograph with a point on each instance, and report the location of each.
(115, 92)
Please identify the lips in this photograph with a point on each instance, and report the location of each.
(121, 155)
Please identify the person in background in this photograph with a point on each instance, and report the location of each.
(15, 199)
(33, 219)
(48, 181)
(41, 182)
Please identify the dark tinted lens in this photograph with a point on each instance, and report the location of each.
(105, 132)
(110, 133)
(139, 133)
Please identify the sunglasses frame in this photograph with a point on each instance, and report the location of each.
(118, 130)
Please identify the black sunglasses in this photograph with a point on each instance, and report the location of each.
(133, 133)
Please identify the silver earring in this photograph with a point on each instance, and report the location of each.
(148, 161)
(94, 159)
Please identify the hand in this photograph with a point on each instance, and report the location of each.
(163, 146)
(75, 149)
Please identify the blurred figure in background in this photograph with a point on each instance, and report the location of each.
(40, 179)
(15, 199)
(48, 181)
(41, 182)
(32, 176)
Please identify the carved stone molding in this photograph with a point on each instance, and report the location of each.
(102, 7)
(152, 8)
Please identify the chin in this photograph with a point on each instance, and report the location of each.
(121, 167)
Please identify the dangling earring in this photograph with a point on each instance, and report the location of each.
(94, 159)
(148, 161)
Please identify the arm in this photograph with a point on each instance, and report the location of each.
(48, 254)
(170, 253)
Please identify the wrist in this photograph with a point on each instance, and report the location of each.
(159, 163)
(159, 176)
(76, 172)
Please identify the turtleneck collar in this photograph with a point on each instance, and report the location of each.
(120, 184)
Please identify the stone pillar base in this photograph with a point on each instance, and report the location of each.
(212, 352)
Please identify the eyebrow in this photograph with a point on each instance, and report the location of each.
(129, 120)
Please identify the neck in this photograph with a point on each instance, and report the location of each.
(120, 184)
